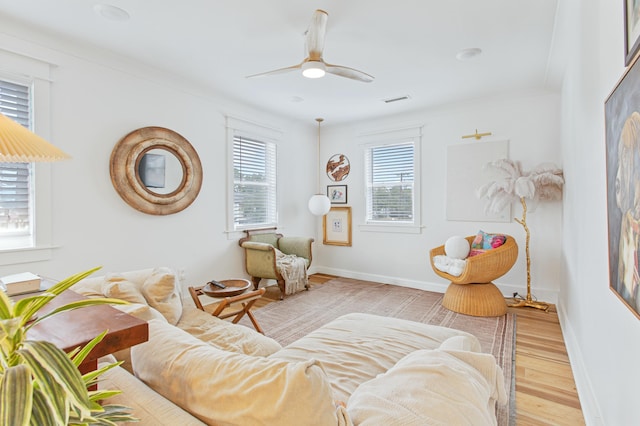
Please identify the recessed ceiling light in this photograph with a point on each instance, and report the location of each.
(112, 13)
(470, 53)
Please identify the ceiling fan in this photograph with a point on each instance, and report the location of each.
(313, 66)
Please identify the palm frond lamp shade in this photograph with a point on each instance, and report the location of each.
(20, 145)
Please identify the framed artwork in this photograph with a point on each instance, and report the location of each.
(338, 167)
(336, 227)
(622, 139)
(631, 30)
(337, 194)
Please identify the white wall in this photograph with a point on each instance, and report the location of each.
(530, 121)
(96, 99)
(602, 335)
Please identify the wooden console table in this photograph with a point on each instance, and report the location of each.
(71, 329)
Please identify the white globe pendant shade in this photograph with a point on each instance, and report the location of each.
(319, 205)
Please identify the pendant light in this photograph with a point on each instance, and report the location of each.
(319, 204)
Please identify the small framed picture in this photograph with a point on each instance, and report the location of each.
(336, 227)
(337, 194)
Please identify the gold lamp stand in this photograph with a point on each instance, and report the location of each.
(528, 301)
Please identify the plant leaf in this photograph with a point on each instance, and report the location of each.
(99, 395)
(116, 413)
(82, 354)
(16, 392)
(93, 375)
(63, 285)
(11, 328)
(40, 413)
(76, 305)
(5, 305)
(27, 307)
(54, 393)
(40, 354)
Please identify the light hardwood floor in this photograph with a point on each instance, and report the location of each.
(545, 390)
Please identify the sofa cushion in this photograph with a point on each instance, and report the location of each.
(161, 292)
(357, 347)
(117, 287)
(226, 388)
(147, 405)
(432, 387)
(141, 311)
(226, 335)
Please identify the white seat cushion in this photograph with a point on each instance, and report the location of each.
(226, 388)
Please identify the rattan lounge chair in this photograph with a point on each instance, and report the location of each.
(473, 292)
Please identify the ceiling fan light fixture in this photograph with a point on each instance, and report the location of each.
(313, 69)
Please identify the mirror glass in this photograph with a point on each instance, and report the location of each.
(160, 171)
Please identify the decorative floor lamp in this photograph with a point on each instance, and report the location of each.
(542, 183)
(20, 145)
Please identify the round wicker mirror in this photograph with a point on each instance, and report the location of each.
(156, 171)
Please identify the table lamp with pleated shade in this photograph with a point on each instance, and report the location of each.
(20, 145)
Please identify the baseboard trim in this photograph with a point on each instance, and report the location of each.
(439, 287)
(421, 285)
(588, 401)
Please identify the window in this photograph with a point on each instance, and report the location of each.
(392, 181)
(19, 74)
(254, 183)
(16, 184)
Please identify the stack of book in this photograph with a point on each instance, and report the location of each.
(25, 282)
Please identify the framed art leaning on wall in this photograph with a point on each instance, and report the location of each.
(622, 134)
(336, 227)
(631, 30)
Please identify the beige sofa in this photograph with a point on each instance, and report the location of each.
(358, 369)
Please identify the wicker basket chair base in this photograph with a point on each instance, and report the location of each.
(478, 300)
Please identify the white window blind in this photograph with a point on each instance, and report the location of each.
(254, 183)
(15, 178)
(390, 182)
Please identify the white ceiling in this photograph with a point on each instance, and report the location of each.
(409, 46)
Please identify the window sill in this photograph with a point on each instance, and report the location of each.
(391, 228)
(25, 255)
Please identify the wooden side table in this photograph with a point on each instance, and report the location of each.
(245, 299)
(71, 329)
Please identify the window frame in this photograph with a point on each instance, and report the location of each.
(237, 127)
(384, 139)
(28, 71)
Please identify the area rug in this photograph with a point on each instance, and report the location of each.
(299, 314)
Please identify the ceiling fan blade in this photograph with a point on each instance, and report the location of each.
(278, 71)
(349, 73)
(315, 35)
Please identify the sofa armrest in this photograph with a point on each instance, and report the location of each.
(260, 260)
(256, 246)
(300, 246)
(146, 404)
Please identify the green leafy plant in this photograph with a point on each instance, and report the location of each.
(40, 384)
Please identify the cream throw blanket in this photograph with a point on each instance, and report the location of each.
(294, 271)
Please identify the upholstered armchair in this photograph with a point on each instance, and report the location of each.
(261, 258)
(473, 292)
